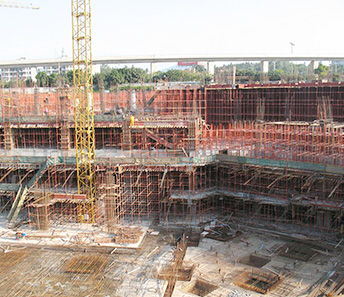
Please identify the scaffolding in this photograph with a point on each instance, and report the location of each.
(183, 155)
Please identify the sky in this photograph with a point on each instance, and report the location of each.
(152, 27)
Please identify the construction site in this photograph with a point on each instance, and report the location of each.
(184, 190)
(208, 191)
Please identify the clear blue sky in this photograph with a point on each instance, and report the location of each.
(152, 27)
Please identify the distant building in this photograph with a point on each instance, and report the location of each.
(8, 74)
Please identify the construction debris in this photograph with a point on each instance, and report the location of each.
(222, 233)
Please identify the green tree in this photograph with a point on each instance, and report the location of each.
(134, 75)
(42, 79)
(277, 70)
(98, 79)
(175, 75)
(277, 74)
(29, 83)
(113, 78)
(200, 69)
(157, 76)
(337, 77)
(52, 80)
(322, 71)
(68, 77)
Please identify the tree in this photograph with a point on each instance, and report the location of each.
(29, 83)
(42, 79)
(322, 71)
(277, 74)
(98, 80)
(113, 79)
(182, 75)
(134, 75)
(277, 70)
(52, 80)
(337, 77)
(68, 77)
(200, 68)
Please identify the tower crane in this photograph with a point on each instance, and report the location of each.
(83, 107)
(83, 102)
(16, 4)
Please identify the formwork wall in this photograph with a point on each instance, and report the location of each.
(60, 101)
(304, 103)
(288, 132)
(216, 104)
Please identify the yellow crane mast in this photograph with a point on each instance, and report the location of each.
(83, 107)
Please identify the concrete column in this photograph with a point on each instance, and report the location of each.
(313, 65)
(133, 101)
(264, 66)
(264, 71)
(33, 74)
(211, 67)
(234, 74)
(152, 68)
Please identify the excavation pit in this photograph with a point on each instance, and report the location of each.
(85, 264)
(255, 260)
(200, 288)
(297, 251)
(258, 281)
